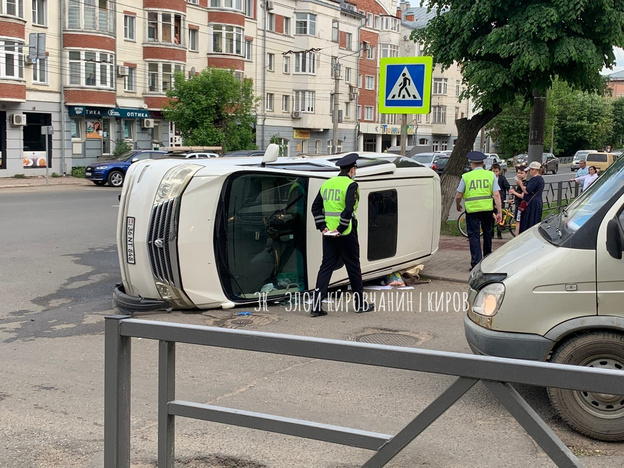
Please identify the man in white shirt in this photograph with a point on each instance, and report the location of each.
(582, 171)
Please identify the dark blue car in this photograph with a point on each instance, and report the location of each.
(114, 172)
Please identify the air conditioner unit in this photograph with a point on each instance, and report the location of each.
(148, 123)
(269, 5)
(352, 96)
(122, 71)
(19, 120)
(296, 115)
(29, 60)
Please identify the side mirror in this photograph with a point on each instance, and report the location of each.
(614, 239)
(271, 154)
(133, 160)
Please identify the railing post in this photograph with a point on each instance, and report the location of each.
(166, 393)
(117, 359)
(559, 198)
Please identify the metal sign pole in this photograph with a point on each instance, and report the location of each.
(403, 133)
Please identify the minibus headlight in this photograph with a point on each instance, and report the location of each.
(175, 181)
(489, 299)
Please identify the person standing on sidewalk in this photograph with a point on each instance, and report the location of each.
(334, 215)
(480, 191)
(504, 186)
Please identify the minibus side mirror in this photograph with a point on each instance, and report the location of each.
(271, 154)
(614, 239)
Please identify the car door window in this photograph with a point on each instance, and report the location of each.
(261, 235)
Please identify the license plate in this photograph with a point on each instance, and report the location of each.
(130, 240)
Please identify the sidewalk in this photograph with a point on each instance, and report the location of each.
(40, 181)
(452, 260)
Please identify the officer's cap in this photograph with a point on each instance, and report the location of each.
(348, 161)
(476, 156)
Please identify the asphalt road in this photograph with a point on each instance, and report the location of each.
(59, 265)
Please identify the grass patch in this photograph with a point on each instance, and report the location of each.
(20, 176)
(78, 172)
(449, 228)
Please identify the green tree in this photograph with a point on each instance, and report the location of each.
(515, 49)
(510, 128)
(617, 137)
(213, 108)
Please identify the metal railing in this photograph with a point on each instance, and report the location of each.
(559, 194)
(497, 374)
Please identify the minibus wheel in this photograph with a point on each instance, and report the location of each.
(597, 415)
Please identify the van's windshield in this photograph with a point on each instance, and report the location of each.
(592, 199)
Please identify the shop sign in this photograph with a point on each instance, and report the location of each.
(301, 134)
(108, 112)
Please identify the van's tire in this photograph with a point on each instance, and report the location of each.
(555, 170)
(115, 179)
(600, 416)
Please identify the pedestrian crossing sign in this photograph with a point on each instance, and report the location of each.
(405, 85)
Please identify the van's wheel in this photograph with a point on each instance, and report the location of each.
(555, 169)
(115, 179)
(597, 415)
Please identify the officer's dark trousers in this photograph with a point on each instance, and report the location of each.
(481, 220)
(334, 248)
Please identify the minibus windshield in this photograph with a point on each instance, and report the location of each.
(593, 198)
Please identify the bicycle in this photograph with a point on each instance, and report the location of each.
(508, 223)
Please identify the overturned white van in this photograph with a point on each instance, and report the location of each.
(217, 233)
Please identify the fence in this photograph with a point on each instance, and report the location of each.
(496, 373)
(556, 195)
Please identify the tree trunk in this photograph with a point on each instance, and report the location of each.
(538, 126)
(467, 131)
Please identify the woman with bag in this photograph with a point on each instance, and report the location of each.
(532, 200)
(517, 193)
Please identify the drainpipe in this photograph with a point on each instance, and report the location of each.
(357, 91)
(62, 78)
(263, 62)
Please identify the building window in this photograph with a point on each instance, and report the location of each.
(439, 114)
(335, 31)
(11, 59)
(388, 50)
(304, 101)
(231, 4)
(377, 22)
(435, 145)
(359, 83)
(74, 128)
(93, 15)
(286, 65)
(249, 50)
(369, 113)
(128, 129)
(347, 111)
(39, 12)
(193, 40)
(40, 71)
(249, 7)
(370, 52)
(130, 27)
(194, 2)
(369, 20)
(164, 27)
(91, 69)
(305, 24)
(305, 62)
(12, 8)
(285, 103)
(359, 112)
(160, 76)
(271, 22)
(440, 85)
(271, 62)
(269, 102)
(287, 26)
(349, 41)
(130, 80)
(444, 146)
(227, 39)
(347, 74)
(370, 82)
(457, 87)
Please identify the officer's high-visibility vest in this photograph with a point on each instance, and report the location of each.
(479, 192)
(334, 193)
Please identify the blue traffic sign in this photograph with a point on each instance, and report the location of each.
(405, 85)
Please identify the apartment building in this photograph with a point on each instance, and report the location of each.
(78, 76)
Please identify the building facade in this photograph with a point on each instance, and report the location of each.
(78, 77)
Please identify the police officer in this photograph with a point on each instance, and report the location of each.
(334, 215)
(480, 191)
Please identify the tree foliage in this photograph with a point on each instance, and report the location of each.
(509, 50)
(213, 108)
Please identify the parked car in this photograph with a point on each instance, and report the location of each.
(427, 159)
(440, 164)
(492, 158)
(206, 234)
(555, 294)
(600, 160)
(579, 156)
(521, 161)
(550, 163)
(114, 172)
